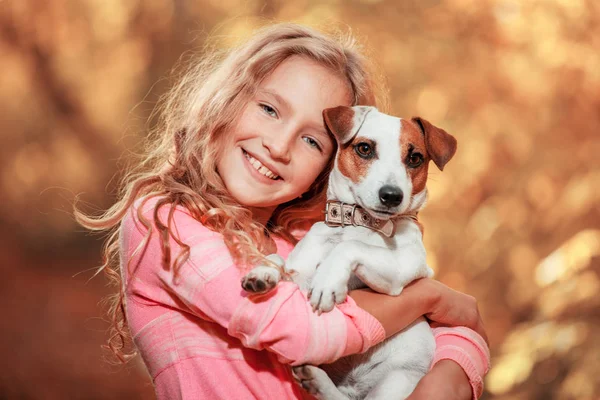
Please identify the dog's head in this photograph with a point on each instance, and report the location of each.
(382, 161)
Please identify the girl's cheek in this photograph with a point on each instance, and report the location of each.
(251, 117)
(318, 157)
(314, 165)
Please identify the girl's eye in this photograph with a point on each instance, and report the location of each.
(269, 110)
(415, 160)
(312, 142)
(364, 150)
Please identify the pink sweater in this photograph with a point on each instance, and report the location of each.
(201, 336)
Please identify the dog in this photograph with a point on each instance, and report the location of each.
(370, 237)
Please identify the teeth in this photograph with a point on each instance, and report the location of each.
(261, 168)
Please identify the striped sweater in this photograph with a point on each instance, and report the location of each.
(201, 336)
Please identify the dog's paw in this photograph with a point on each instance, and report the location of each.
(326, 291)
(312, 379)
(261, 279)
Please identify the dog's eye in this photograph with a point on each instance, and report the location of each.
(415, 160)
(364, 150)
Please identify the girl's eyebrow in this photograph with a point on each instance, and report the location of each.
(319, 128)
(282, 102)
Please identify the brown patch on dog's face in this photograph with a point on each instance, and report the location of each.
(353, 161)
(412, 145)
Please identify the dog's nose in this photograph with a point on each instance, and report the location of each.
(390, 196)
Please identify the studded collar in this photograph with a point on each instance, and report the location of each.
(344, 214)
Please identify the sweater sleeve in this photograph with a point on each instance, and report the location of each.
(208, 286)
(468, 349)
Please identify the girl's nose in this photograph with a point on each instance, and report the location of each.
(279, 146)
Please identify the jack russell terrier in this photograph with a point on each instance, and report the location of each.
(370, 237)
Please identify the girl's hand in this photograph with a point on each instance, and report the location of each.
(446, 381)
(452, 308)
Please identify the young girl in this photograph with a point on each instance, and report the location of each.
(238, 171)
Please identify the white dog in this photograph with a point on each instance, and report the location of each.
(370, 237)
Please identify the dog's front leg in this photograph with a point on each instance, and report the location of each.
(383, 270)
(302, 262)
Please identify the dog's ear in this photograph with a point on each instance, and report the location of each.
(344, 122)
(440, 144)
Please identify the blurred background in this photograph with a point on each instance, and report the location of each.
(514, 220)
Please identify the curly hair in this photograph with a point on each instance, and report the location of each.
(179, 164)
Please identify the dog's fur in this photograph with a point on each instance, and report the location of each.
(329, 261)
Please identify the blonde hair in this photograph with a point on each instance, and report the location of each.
(180, 164)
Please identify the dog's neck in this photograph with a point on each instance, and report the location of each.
(342, 214)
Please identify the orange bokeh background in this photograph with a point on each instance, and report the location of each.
(513, 220)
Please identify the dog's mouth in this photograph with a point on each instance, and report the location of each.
(378, 213)
(381, 214)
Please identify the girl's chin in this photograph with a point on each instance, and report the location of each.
(257, 201)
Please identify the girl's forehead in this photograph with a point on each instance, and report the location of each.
(302, 78)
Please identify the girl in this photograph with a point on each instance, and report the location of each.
(238, 171)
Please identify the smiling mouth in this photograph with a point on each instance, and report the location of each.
(260, 168)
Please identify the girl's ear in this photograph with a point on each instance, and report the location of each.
(441, 146)
(344, 122)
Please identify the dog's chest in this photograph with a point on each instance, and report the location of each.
(361, 234)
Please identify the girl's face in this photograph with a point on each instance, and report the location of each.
(280, 145)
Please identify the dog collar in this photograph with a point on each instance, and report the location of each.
(343, 214)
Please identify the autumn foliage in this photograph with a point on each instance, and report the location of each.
(514, 219)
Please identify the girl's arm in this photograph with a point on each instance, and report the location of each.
(440, 304)
(208, 286)
(446, 381)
